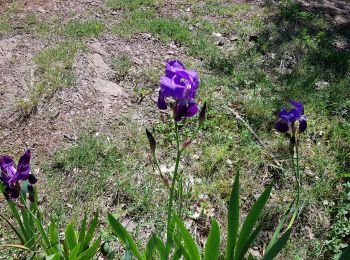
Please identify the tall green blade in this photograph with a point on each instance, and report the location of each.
(127, 254)
(279, 227)
(160, 248)
(178, 254)
(123, 235)
(70, 239)
(91, 251)
(190, 245)
(150, 247)
(278, 246)
(53, 235)
(90, 233)
(251, 219)
(212, 246)
(73, 254)
(233, 219)
(18, 218)
(45, 238)
(179, 246)
(82, 232)
(250, 241)
(14, 229)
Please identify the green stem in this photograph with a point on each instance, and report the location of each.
(297, 176)
(171, 196)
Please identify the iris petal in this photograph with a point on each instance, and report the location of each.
(302, 125)
(181, 85)
(185, 108)
(23, 168)
(281, 125)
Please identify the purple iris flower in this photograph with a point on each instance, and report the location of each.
(10, 176)
(181, 85)
(292, 120)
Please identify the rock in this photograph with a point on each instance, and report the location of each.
(217, 34)
(108, 88)
(98, 64)
(234, 38)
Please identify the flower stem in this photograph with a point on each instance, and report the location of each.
(171, 196)
(297, 176)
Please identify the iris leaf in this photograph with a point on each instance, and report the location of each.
(212, 246)
(82, 234)
(90, 234)
(233, 219)
(73, 254)
(123, 235)
(251, 219)
(189, 243)
(53, 235)
(88, 253)
(278, 246)
(70, 239)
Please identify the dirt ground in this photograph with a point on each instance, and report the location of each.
(95, 94)
(97, 98)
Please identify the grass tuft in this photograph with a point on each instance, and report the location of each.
(84, 29)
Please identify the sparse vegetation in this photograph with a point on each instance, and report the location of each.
(54, 73)
(251, 59)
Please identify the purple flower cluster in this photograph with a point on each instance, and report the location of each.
(292, 120)
(181, 85)
(11, 177)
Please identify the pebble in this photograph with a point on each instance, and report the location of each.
(217, 34)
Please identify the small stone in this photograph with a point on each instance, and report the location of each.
(41, 10)
(234, 38)
(217, 34)
(114, 13)
(147, 35)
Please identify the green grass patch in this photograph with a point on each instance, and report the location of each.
(4, 27)
(129, 4)
(84, 29)
(145, 21)
(219, 8)
(100, 172)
